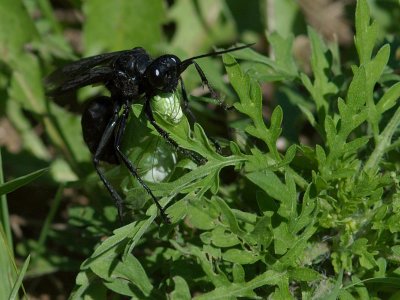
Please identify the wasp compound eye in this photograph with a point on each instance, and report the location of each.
(158, 77)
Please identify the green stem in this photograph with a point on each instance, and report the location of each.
(50, 216)
(383, 142)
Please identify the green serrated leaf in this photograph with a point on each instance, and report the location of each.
(354, 145)
(221, 238)
(389, 99)
(130, 271)
(121, 287)
(181, 291)
(216, 278)
(177, 211)
(366, 258)
(331, 133)
(85, 280)
(201, 136)
(229, 216)
(366, 34)
(375, 67)
(357, 93)
(242, 257)
(238, 273)
(297, 247)
(250, 104)
(283, 53)
(272, 185)
(276, 122)
(244, 289)
(289, 155)
(320, 155)
(283, 239)
(234, 148)
(262, 232)
(199, 217)
(322, 85)
(306, 217)
(304, 274)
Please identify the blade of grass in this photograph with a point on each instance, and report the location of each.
(50, 216)
(14, 184)
(8, 271)
(5, 220)
(18, 282)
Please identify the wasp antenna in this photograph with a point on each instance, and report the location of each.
(189, 61)
(215, 53)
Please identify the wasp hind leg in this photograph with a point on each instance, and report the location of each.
(99, 121)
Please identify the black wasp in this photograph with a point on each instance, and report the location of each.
(129, 75)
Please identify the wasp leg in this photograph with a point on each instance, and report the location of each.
(213, 94)
(205, 82)
(186, 108)
(198, 159)
(128, 163)
(217, 146)
(105, 139)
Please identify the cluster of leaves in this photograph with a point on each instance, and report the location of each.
(307, 222)
(282, 239)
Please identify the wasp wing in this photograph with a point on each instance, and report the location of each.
(95, 75)
(86, 71)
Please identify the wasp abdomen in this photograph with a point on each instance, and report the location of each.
(95, 119)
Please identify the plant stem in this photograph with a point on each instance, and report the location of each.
(50, 216)
(383, 142)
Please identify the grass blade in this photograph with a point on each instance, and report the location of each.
(14, 184)
(18, 282)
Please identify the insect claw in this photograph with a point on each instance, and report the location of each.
(165, 218)
(120, 217)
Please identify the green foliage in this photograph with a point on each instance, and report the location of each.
(311, 220)
(11, 282)
(111, 34)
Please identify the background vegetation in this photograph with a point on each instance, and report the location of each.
(303, 202)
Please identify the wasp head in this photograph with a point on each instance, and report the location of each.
(163, 73)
